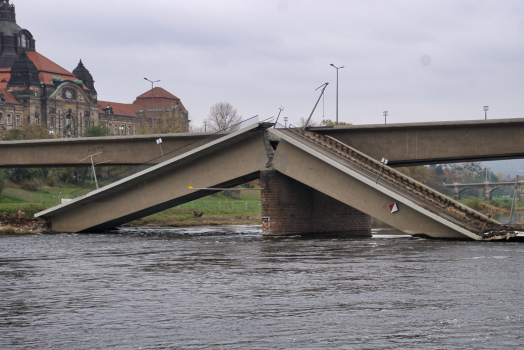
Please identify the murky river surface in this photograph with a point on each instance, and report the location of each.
(234, 289)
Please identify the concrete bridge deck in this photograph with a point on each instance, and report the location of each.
(349, 176)
(234, 159)
(318, 161)
(401, 144)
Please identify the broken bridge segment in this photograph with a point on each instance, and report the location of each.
(226, 162)
(349, 176)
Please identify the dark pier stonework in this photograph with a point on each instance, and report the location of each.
(290, 208)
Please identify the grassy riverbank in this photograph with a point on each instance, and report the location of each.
(216, 209)
(185, 218)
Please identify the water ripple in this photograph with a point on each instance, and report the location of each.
(231, 288)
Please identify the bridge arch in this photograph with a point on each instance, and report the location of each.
(460, 191)
(488, 190)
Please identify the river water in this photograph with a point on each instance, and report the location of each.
(231, 288)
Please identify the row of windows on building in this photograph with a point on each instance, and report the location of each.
(116, 129)
(7, 119)
(122, 129)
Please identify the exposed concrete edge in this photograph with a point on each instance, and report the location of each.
(106, 190)
(377, 187)
(457, 123)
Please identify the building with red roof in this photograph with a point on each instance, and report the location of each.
(34, 89)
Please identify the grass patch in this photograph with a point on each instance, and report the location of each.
(185, 217)
(28, 208)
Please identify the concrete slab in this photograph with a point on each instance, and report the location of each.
(306, 163)
(229, 161)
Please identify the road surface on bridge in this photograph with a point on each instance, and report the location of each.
(402, 144)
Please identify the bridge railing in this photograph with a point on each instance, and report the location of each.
(128, 171)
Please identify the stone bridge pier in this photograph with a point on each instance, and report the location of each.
(457, 191)
(291, 207)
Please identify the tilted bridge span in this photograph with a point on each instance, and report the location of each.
(312, 183)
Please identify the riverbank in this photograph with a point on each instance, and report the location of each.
(20, 223)
(191, 218)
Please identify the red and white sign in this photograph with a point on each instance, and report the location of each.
(393, 208)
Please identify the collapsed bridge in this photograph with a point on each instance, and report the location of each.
(312, 183)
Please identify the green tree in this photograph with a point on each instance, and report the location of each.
(404, 170)
(169, 123)
(27, 132)
(166, 122)
(419, 173)
(96, 131)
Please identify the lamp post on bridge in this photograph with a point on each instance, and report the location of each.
(152, 105)
(337, 68)
(385, 116)
(486, 109)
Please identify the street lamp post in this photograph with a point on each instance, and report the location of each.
(486, 109)
(385, 115)
(152, 104)
(337, 68)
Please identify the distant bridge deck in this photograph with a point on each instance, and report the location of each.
(402, 144)
(487, 187)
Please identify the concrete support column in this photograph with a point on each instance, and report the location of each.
(456, 193)
(290, 208)
(487, 194)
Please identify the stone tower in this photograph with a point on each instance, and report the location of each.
(13, 39)
(83, 74)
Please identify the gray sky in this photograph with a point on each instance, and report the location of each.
(419, 60)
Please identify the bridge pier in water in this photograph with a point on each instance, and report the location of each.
(290, 207)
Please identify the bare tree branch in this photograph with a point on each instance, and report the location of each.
(222, 115)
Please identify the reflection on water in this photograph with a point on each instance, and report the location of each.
(231, 288)
(504, 219)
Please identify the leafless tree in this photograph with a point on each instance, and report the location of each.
(222, 116)
(302, 122)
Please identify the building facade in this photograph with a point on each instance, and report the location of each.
(34, 89)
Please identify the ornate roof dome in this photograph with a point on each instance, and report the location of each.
(24, 72)
(83, 74)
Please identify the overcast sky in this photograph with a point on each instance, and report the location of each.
(419, 60)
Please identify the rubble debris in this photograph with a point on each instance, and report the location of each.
(22, 222)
